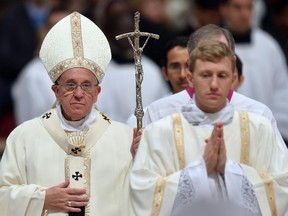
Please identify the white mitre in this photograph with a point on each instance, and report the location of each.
(75, 41)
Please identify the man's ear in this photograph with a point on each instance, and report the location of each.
(190, 78)
(97, 91)
(98, 88)
(55, 89)
(234, 76)
(165, 73)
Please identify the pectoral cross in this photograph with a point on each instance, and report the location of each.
(139, 113)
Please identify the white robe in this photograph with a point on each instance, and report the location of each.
(266, 75)
(31, 92)
(171, 146)
(173, 103)
(34, 160)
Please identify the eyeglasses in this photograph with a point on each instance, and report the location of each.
(70, 87)
(178, 67)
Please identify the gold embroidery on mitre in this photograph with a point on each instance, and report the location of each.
(56, 71)
(76, 34)
(78, 52)
(178, 134)
(245, 138)
(269, 188)
(158, 196)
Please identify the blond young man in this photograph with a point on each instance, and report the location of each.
(210, 154)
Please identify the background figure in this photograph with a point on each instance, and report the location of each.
(178, 14)
(276, 23)
(154, 18)
(119, 82)
(18, 40)
(266, 78)
(202, 12)
(31, 92)
(175, 64)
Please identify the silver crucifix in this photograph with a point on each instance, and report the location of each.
(139, 113)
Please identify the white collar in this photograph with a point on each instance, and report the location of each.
(81, 125)
(196, 116)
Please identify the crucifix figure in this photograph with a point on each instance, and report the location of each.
(137, 60)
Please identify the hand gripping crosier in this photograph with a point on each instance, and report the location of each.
(137, 61)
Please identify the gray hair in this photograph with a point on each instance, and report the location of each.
(209, 32)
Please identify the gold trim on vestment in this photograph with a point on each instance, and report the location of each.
(87, 165)
(158, 196)
(245, 157)
(76, 142)
(86, 174)
(245, 138)
(73, 142)
(269, 188)
(178, 135)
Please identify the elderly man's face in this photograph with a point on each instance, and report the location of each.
(212, 82)
(76, 103)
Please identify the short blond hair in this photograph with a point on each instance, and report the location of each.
(212, 51)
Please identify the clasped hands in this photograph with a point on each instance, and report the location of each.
(215, 151)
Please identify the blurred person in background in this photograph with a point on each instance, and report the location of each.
(119, 83)
(154, 19)
(18, 41)
(31, 92)
(276, 23)
(202, 12)
(266, 77)
(175, 60)
(19, 24)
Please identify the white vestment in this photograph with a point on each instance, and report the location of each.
(266, 75)
(173, 103)
(118, 87)
(31, 92)
(169, 173)
(39, 154)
